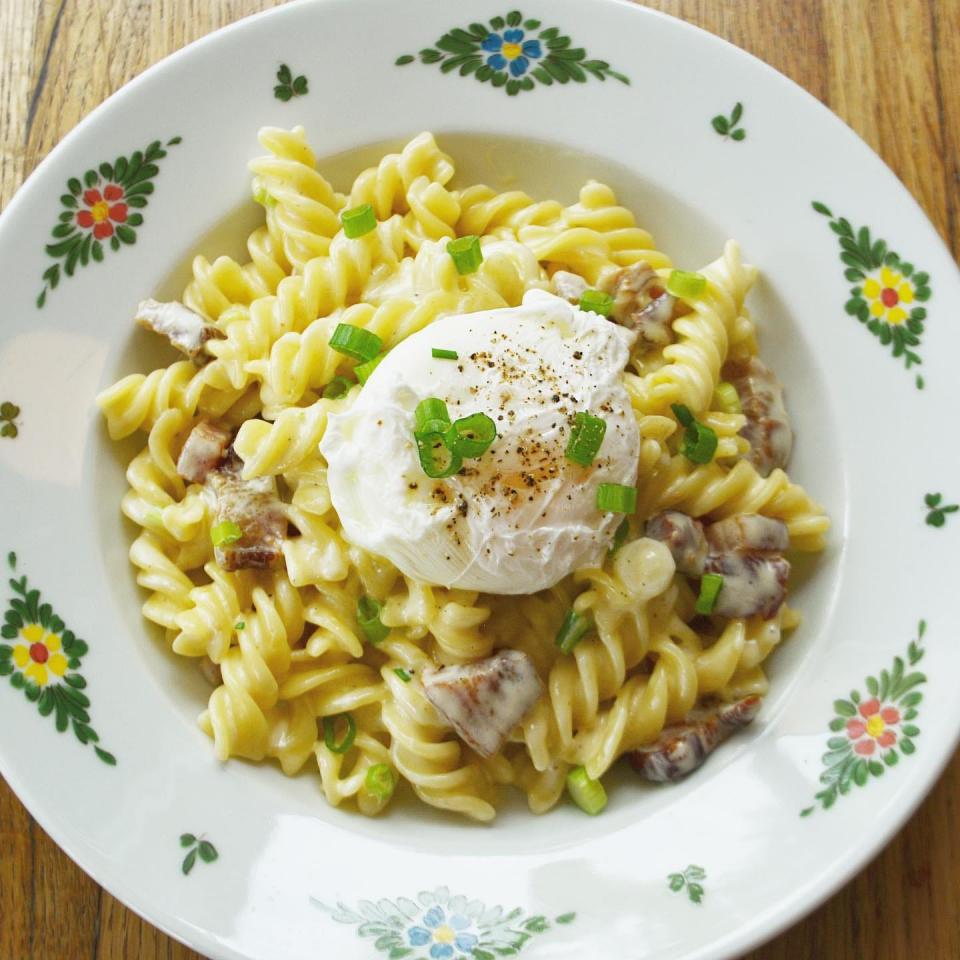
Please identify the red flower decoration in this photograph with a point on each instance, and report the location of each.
(104, 210)
(874, 729)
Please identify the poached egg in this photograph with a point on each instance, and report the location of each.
(520, 517)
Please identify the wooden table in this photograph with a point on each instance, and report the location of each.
(890, 68)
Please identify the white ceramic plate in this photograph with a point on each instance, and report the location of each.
(762, 830)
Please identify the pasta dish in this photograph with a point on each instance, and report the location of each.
(450, 489)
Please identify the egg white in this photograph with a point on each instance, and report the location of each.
(520, 517)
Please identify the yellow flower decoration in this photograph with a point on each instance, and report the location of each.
(887, 294)
(38, 654)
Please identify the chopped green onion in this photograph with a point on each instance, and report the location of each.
(363, 370)
(225, 533)
(329, 733)
(596, 302)
(262, 196)
(402, 674)
(574, 628)
(686, 285)
(699, 443)
(439, 354)
(588, 794)
(239, 625)
(682, 413)
(431, 416)
(726, 398)
(620, 537)
(466, 253)
(616, 498)
(586, 436)
(368, 617)
(436, 459)
(358, 221)
(470, 436)
(355, 342)
(380, 782)
(336, 388)
(699, 440)
(710, 585)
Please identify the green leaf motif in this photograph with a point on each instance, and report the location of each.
(939, 511)
(893, 699)
(728, 127)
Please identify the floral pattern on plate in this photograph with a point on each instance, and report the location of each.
(43, 659)
(441, 926)
(873, 732)
(888, 292)
(101, 209)
(513, 53)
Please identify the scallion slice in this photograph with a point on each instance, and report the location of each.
(726, 398)
(470, 436)
(225, 533)
(699, 441)
(402, 674)
(358, 221)
(380, 782)
(363, 370)
(616, 498)
(362, 345)
(330, 734)
(261, 195)
(574, 628)
(596, 301)
(586, 436)
(686, 285)
(710, 585)
(682, 413)
(431, 416)
(368, 617)
(466, 253)
(336, 388)
(620, 537)
(436, 459)
(439, 354)
(588, 794)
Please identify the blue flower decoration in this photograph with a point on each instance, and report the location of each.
(446, 936)
(511, 51)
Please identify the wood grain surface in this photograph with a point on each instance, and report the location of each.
(890, 68)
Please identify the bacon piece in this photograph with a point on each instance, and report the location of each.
(203, 451)
(484, 701)
(750, 533)
(570, 286)
(253, 505)
(211, 672)
(684, 747)
(752, 583)
(683, 536)
(186, 330)
(768, 427)
(641, 303)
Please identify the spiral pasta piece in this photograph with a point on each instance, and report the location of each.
(236, 715)
(385, 187)
(302, 208)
